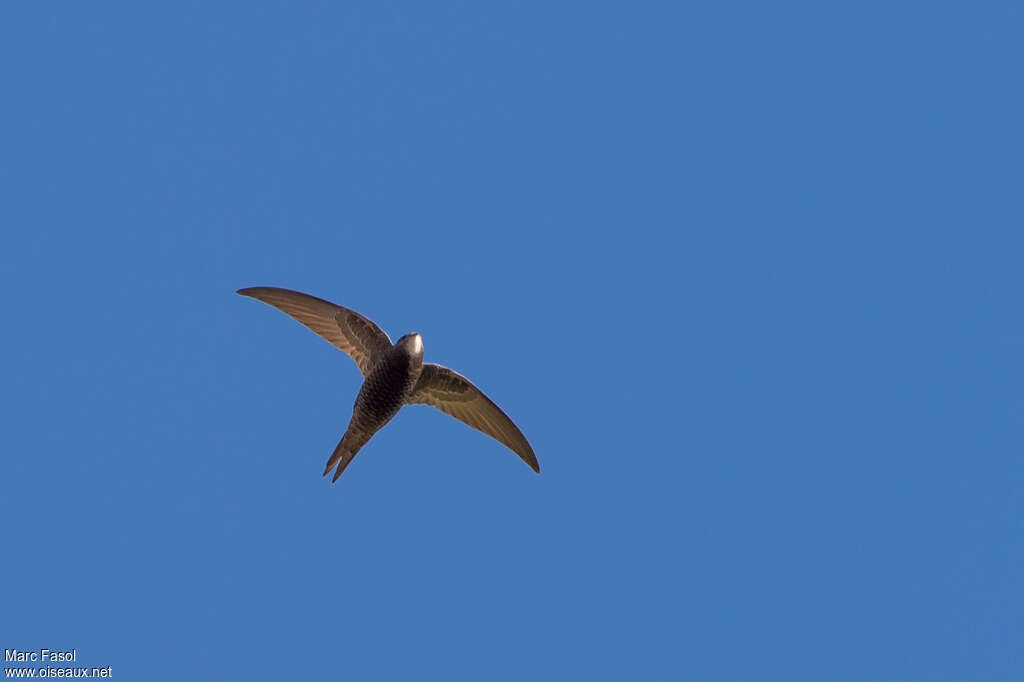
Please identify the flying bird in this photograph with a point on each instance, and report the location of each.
(393, 375)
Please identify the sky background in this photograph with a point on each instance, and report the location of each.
(748, 276)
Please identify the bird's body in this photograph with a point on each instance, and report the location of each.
(385, 390)
(394, 375)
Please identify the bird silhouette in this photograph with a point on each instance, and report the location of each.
(393, 375)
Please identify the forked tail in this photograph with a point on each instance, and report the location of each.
(348, 446)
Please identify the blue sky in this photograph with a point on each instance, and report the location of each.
(748, 276)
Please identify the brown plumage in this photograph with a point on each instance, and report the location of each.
(394, 375)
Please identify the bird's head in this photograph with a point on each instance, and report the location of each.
(411, 343)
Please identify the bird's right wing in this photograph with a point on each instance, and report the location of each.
(455, 395)
(345, 329)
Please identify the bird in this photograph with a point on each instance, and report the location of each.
(394, 375)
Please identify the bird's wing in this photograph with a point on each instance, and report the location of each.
(456, 395)
(346, 329)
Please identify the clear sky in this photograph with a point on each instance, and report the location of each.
(748, 276)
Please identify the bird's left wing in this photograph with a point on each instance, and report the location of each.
(345, 329)
(456, 395)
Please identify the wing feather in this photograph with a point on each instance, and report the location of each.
(455, 395)
(345, 329)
